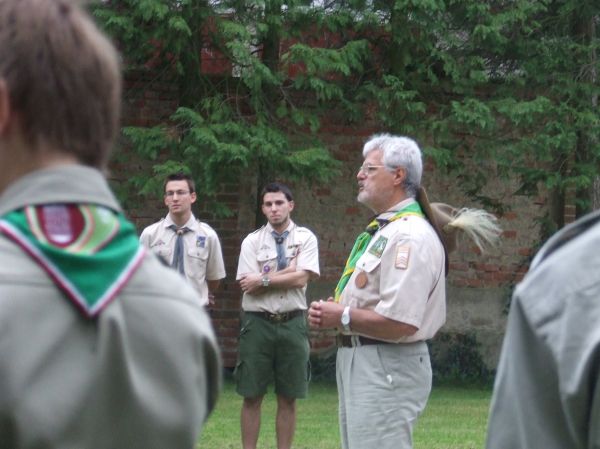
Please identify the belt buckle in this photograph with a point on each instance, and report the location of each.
(277, 317)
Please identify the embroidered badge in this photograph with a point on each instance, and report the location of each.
(377, 248)
(402, 256)
(200, 241)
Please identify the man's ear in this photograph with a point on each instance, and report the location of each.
(399, 176)
(4, 106)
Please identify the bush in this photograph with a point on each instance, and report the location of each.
(455, 358)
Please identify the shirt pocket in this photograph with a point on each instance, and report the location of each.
(197, 259)
(366, 290)
(368, 263)
(164, 252)
(267, 260)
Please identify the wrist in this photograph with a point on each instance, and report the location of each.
(345, 319)
(265, 281)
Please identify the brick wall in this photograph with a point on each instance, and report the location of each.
(479, 286)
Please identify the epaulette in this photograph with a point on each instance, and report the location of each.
(566, 235)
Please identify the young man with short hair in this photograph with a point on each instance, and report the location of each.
(276, 263)
(190, 246)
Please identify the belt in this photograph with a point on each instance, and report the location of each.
(278, 317)
(350, 341)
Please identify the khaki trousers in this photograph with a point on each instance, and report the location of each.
(382, 391)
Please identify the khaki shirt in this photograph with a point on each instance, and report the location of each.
(143, 374)
(202, 259)
(403, 267)
(259, 255)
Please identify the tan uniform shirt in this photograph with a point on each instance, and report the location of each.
(202, 260)
(403, 267)
(259, 255)
(143, 374)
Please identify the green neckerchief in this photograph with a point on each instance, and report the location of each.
(362, 242)
(89, 251)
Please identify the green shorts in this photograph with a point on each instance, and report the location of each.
(273, 352)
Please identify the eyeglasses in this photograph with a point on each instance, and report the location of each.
(171, 193)
(367, 169)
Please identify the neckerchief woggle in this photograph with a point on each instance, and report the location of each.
(89, 251)
(363, 240)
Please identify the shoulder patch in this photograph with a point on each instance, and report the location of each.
(377, 248)
(402, 256)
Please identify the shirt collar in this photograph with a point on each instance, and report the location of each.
(289, 228)
(168, 221)
(62, 184)
(391, 211)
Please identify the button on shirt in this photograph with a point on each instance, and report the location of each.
(404, 269)
(259, 255)
(203, 259)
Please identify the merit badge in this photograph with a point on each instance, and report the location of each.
(402, 255)
(377, 248)
(200, 241)
(361, 280)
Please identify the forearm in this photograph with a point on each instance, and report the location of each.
(328, 314)
(371, 323)
(213, 285)
(289, 279)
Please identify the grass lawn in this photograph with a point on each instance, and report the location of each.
(455, 418)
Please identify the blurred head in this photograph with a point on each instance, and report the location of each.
(62, 76)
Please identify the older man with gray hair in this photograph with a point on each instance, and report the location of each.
(391, 298)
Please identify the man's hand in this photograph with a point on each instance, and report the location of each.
(325, 314)
(251, 283)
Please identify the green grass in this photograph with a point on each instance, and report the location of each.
(455, 418)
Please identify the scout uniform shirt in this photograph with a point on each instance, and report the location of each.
(202, 258)
(401, 275)
(547, 384)
(259, 255)
(143, 373)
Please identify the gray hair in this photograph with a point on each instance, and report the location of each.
(399, 151)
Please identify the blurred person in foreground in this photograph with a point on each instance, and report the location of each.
(391, 297)
(101, 346)
(547, 389)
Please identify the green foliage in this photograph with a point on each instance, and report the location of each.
(456, 359)
(510, 82)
